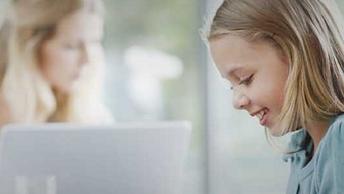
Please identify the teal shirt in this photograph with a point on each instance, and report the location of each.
(324, 172)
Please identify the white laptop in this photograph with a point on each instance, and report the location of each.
(133, 158)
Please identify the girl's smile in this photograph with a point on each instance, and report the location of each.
(261, 115)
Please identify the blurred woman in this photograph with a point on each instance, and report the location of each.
(51, 62)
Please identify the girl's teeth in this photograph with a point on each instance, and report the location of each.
(261, 114)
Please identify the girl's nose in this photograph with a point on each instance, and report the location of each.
(240, 101)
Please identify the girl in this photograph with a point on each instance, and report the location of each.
(285, 61)
(51, 62)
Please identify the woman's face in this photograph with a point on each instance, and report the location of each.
(75, 44)
(258, 74)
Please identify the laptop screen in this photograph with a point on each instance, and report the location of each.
(131, 158)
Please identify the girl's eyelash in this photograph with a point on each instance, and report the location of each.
(247, 80)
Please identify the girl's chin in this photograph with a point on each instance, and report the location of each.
(275, 131)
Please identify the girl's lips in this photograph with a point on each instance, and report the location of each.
(262, 116)
(263, 120)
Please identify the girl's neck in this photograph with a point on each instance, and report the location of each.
(317, 130)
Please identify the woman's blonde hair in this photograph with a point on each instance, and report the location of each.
(29, 97)
(309, 36)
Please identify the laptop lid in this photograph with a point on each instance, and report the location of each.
(127, 158)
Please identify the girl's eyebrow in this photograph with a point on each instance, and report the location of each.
(231, 72)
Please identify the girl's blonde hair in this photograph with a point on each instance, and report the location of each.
(308, 34)
(29, 97)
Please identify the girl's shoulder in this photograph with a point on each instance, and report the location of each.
(300, 142)
(333, 141)
(334, 138)
(329, 168)
(335, 131)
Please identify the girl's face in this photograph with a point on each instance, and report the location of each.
(75, 44)
(258, 76)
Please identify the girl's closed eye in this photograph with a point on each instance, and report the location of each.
(243, 81)
(246, 80)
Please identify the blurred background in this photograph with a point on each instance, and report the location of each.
(158, 69)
